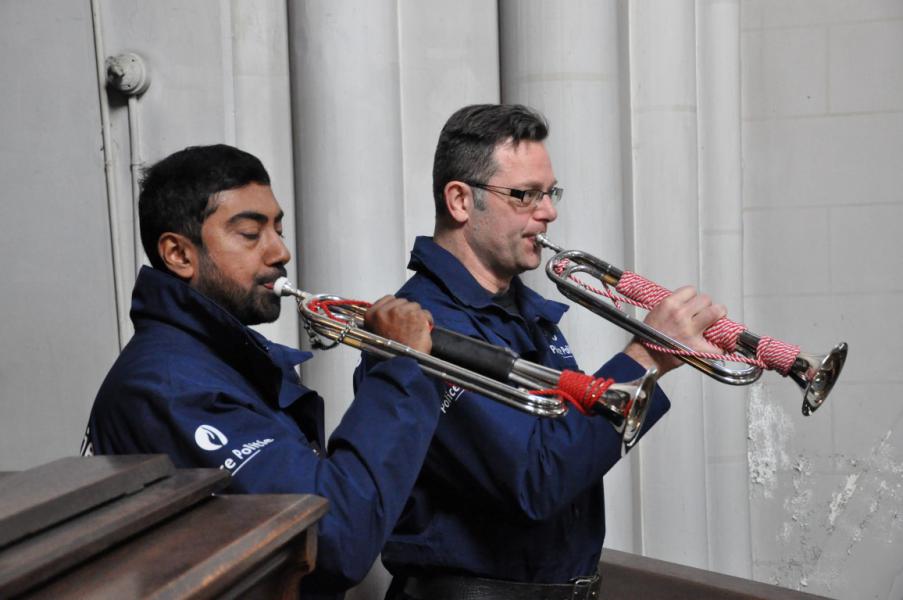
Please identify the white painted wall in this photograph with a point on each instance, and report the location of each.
(59, 318)
(751, 147)
(823, 261)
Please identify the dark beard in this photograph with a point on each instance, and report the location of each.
(251, 307)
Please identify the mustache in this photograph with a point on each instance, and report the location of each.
(272, 276)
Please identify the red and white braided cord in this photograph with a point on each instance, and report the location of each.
(580, 389)
(638, 291)
(326, 305)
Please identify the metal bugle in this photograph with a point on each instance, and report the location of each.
(490, 370)
(814, 374)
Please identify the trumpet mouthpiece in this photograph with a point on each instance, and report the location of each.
(282, 287)
(542, 241)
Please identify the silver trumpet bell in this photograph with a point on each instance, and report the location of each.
(495, 372)
(814, 374)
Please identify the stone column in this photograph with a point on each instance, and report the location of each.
(721, 242)
(262, 112)
(347, 148)
(663, 115)
(562, 59)
(449, 58)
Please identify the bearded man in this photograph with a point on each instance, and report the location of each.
(196, 383)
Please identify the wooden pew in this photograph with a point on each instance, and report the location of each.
(136, 527)
(628, 576)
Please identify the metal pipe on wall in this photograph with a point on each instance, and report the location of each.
(124, 325)
(136, 163)
(127, 73)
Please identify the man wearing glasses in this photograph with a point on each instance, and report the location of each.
(509, 505)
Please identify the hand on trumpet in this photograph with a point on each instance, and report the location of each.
(683, 316)
(401, 320)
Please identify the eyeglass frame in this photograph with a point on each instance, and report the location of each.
(521, 195)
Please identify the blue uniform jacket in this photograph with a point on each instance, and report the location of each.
(504, 494)
(196, 384)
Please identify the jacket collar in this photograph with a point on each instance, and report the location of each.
(160, 296)
(431, 258)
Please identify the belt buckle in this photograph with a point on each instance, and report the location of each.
(584, 587)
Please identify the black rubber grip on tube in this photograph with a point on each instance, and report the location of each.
(476, 355)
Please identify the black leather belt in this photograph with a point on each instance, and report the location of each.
(454, 587)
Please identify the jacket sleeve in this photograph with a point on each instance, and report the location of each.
(373, 458)
(531, 465)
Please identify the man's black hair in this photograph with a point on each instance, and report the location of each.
(177, 192)
(470, 136)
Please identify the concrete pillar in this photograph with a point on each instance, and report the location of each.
(347, 147)
(721, 242)
(261, 100)
(562, 58)
(373, 83)
(666, 228)
(449, 57)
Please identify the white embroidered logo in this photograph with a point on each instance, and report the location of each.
(210, 438)
(452, 393)
(87, 448)
(564, 351)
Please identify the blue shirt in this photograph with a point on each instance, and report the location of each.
(504, 494)
(196, 384)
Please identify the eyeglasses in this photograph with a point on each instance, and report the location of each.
(525, 198)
